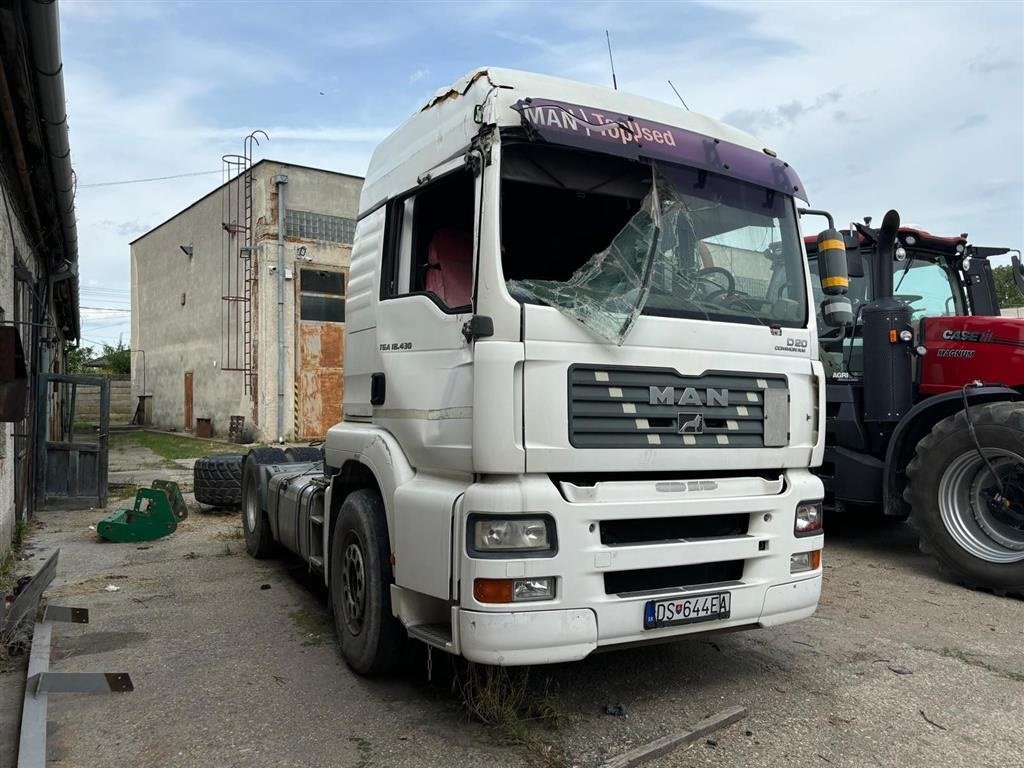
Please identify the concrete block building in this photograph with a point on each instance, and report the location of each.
(238, 304)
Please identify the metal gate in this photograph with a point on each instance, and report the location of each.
(72, 441)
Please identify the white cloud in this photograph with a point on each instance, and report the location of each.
(887, 139)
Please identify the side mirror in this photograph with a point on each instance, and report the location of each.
(833, 273)
(837, 311)
(1018, 272)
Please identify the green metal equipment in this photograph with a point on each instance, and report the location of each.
(156, 514)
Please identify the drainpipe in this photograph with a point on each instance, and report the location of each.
(280, 180)
(44, 34)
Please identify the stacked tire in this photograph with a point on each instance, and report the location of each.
(217, 480)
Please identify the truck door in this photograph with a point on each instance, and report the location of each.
(426, 294)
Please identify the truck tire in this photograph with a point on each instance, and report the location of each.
(369, 636)
(304, 453)
(259, 539)
(217, 480)
(950, 488)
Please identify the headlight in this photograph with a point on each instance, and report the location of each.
(511, 534)
(808, 519)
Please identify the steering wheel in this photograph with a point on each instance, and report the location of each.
(726, 292)
(706, 273)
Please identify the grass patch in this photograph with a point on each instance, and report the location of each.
(171, 447)
(122, 490)
(7, 578)
(315, 624)
(523, 714)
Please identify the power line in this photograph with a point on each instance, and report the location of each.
(141, 181)
(106, 309)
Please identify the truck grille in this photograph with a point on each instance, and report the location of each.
(673, 577)
(658, 530)
(619, 407)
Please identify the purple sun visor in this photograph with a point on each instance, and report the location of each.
(601, 131)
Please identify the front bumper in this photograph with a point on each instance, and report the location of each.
(584, 615)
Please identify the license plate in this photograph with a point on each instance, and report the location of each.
(686, 610)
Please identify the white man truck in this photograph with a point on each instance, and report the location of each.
(581, 386)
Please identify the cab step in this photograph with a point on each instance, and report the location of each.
(435, 635)
(316, 563)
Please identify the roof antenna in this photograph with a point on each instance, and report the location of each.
(677, 94)
(611, 61)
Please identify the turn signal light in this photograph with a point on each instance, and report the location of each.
(493, 590)
(893, 337)
(513, 590)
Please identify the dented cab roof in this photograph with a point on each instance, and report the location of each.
(444, 127)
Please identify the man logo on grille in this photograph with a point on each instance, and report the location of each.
(690, 423)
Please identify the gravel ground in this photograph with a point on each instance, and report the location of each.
(897, 668)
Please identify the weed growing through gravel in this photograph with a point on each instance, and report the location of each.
(521, 713)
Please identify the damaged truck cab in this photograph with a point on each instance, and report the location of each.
(582, 390)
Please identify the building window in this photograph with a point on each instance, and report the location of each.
(319, 226)
(321, 296)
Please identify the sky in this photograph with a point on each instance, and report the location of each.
(915, 106)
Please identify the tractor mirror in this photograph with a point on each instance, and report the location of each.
(855, 263)
(1018, 272)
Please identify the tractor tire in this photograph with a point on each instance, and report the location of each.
(370, 637)
(259, 539)
(304, 453)
(950, 489)
(217, 480)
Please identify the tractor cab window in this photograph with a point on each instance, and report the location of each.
(927, 287)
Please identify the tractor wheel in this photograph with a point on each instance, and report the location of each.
(217, 480)
(969, 512)
(304, 453)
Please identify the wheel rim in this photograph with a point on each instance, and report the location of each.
(353, 586)
(250, 508)
(965, 491)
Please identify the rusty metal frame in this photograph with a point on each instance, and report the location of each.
(297, 325)
(40, 682)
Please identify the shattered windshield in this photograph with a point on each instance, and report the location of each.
(605, 240)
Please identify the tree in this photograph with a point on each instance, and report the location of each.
(118, 359)
(77, 357)
(1006, 288)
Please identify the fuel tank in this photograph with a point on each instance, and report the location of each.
(963, 349)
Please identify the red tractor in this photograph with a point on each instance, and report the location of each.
(925, 397)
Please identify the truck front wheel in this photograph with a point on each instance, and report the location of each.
(969, 511)
(360, 583)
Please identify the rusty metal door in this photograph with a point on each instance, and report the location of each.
(188, 401)
(72, 434)
(319, 383)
